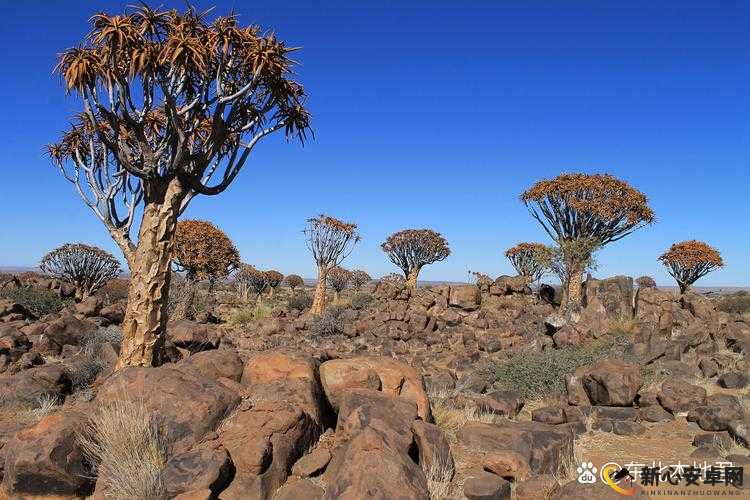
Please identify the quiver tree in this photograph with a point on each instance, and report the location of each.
(360, 278)
(330, 241)
(273, 280)
(247, 279)
(293, 281)
(173, 106)
(530, 259)
(645, 282)
(339, 278)
(413, 249)
(86, 267)
(582, 213)
(481, 280)
(203, 251)
(689, 261)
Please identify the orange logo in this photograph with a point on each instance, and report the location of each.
(608, 474)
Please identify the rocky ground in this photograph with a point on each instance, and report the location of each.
(463, 391)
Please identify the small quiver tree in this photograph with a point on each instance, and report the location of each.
(689, 261)
(481, 280)
(530, 259)
(173, 105)
(293, 281)
(86, 267)
(247, 280)
(582, 213)
(360, 278)
(330, 241)
(645, 282)
(273, 280)
(412, 249)
(339, 278)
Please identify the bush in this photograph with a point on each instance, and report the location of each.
(248, 314)
(331, 323)
(645, 282)
(127, 450)
(103, 335)
(300, 301)
(360, 300)
(536, 374)
(39, 301)
(735, 303)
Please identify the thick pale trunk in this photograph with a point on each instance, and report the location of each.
(411, 279)
(148, 296)
(319, 298)
(574, 299)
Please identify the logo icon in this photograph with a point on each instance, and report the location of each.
(619, 479)
(586, 473)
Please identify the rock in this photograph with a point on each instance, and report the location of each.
(549, 415)
(700, 307)
(577, 491)
(434, 449)
(298, 490)
(115, 313)
(656, 414)
(192, 336)
(733, 380)
(467, 297)
(543, 446)
(486, 486)
(715, 439)
(503, 403)
(215, 364)
(708, 367)
(625, 428)
(45, 459)
(189, 405)
(396, 379)
(373, 460)
(508, 464)
(507, 285)
(577, 395)
(717, 414)
(677, 395)
(30, 385)
(202, 468)
(312, 463)
(67, 329)
(611, 298)
(89, 307)
(706, 453)
(613, 382)
(567, 336)
(539, 487)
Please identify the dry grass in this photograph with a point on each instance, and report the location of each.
(439, 484)
(247, 314)
(623, 326)
(45, 405)
(124, 444)
(450, 418)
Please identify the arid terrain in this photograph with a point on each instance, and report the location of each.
(463, 391)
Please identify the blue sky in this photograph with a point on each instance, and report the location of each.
(438, 114)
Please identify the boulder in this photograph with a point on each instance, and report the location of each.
(611, 298)
(540, 487)
(205, 467)
(718, 413)
(503, 403)
(467, 297)
(297, 490)
(67, 329)
(192, 336)
(733, 380)
(45, 460)
(89, 307)
(486, 486)
(30, 385)
(434, 449)
(508, 285)
(114, 313)
(396, 379)
(677, 395)
(613, 382)
(216, 364)
(313, 463)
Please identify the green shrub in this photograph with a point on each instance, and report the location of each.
(360, 300)
(39, 301)
(247, 314)
(535, 374)
(300, 301)
(331, 323)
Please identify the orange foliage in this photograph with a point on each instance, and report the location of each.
(688, 261)
(203, 251)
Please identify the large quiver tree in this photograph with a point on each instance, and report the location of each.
(582, 213)
(412, 249)
(86, 267)
(330, 241)
(173, 105)
(689, 261)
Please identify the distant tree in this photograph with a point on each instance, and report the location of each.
(86, 267)
(689, 261)
(203, 251)
(274, 279)
(480, 279)
(339, 278)
(530, 259)
(247, 279)
(394, 279)
(330, 241)
(582, 213)
(173, 106)
(645, 282)
(294, 281)
(360, 279)
(412, 249)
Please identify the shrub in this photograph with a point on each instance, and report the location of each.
(300, 301)
(331, 323)
(294, 281)
(248, 314)
(93, 341)
(735, 303)
(85, 267)
(536, 374)
(39, 301)
(645, 282)
(360, 300)
(126, 449)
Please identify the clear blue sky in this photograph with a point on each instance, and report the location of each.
(436, 114)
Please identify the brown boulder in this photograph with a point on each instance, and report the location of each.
(193, 337)
(677, 395)
(613, 382)
(89, 307)
(540, 487)
(508, 285)
(467, 297)
(215, 364)
(434, 449)
(203, 468)
(396, 379)
(298, 490)
(67, 329)
(486, 486)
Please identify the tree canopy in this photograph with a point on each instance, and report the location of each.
(530, 259)
(86, 267)
(689, 261)
(203, 251)
(412, 249)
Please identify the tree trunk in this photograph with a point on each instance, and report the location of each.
(336, 295)
(146, 312)
(411, 278)
(319, 299)
(574, 299)
(683, 287)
